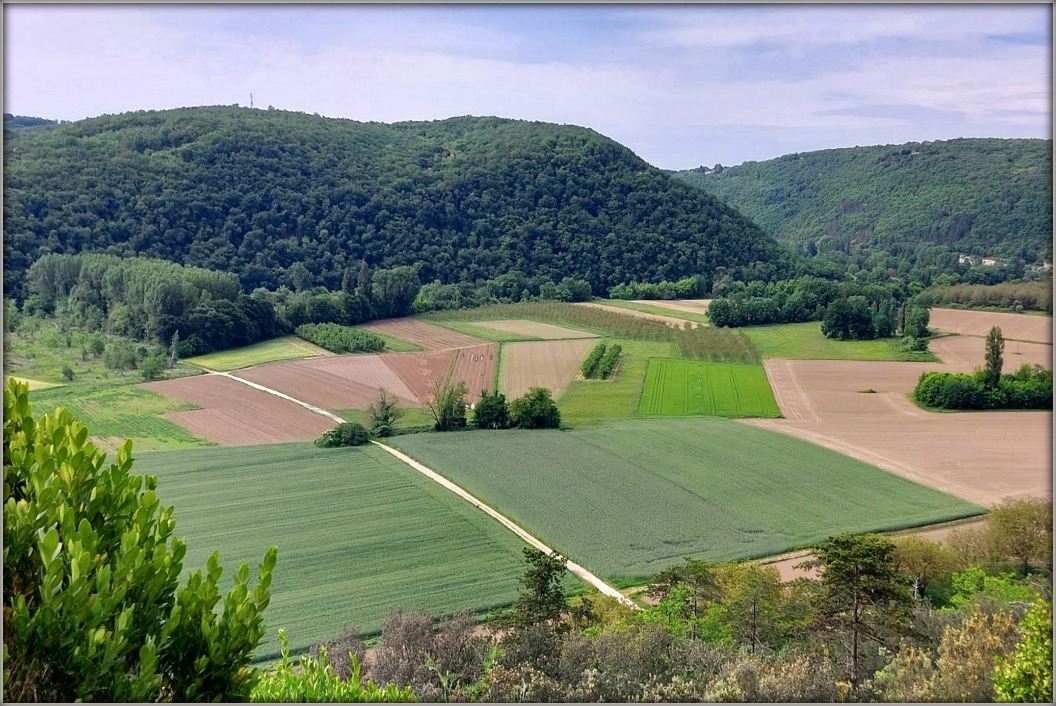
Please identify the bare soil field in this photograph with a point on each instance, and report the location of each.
(548, 332)
(236, 414)
(693, 306)
(550, 364)
(336, 382)
(669, 320)
(963, 353)
(476, 367)
(1024, 327)
(862, 409)
(418, 371)
(426, 335)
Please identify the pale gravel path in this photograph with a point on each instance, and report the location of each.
(575, 568)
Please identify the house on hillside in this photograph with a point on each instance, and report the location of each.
(962, 259)
(989, 261)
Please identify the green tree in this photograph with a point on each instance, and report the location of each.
(1027, 675)
(152, 367)
(535, 410)
(344, 434)
(492, 412)
(863, 595)
(174, 349)
(995, 348)
(448, 406)
(753, 596)
(384, 413)
(542, 598)
(692, 585)
(1021, 529)
(93, 606)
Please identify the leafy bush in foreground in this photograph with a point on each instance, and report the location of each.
(314, 681)
(535, 410)
(93, 606)
(344, 434)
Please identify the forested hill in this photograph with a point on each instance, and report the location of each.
(254, 191)
(977, 196)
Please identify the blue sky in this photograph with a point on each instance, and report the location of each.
(681, 85)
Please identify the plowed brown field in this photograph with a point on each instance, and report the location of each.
(419, 371)
(476, 367)
(336, 382)
(1024, 327)
(236, 414)
(547, 332)
(693, 306)
(550, 364)
(983, 457)
(428, 336)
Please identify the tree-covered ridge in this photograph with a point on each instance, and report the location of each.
(253, 192)
(923, 201)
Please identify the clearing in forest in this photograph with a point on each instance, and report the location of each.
(549, 364)
(627, 498)
(679, 388)
(358, 532)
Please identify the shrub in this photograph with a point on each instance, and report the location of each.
(535, 410)
(384, 413)
(492, 412)
(93, 606)
(341, 339)
(448, 406)
(590, 365)
(67, 372)
(314, 680)
(608, 363)
(153, 367)
(344, 434)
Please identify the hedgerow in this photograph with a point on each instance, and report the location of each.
(341, 339)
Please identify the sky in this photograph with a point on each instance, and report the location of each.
(680, 85)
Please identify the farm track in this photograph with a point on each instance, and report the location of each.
(575, 568)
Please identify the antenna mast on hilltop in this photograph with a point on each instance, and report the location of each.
(250, 100)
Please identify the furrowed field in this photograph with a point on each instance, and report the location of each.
(282, 348)
(627, 498)
(675, 388)
(358, 531)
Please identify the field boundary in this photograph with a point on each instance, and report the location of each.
(270, 391)
(575, 568)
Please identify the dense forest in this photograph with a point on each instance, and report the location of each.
(275, 196)
(912, 208)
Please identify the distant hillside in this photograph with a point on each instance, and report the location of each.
(977, 196)
(253, 191)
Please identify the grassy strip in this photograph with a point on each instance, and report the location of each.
(412, 417)
(395, 345)
(276, 349)
(804, 341)
(122, 411)
(358, 532)
(678, 388)
(485, 333)
(587, 401)
(628, 498)
(658, 310)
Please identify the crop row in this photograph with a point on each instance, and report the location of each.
(590, 365)
(715, 344)
(608, 361)
(341, 339)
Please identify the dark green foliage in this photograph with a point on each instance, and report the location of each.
(849, 319)
(344, 434)
(448, 406)
(863, 596)
(492, 412)
(1027, 388)
(542, 599)
(67, 372)
(686, 288)
(535, 410)
(593, 360)
(93, 606)
(384, 413)
(1027, 676)
(906, 208)
(341, 339)
(153, 367)
(257, 192)
(995, 349)
(608, 361)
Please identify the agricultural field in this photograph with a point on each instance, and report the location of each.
(1017, 327)
(585, 402)
(695, 310)
(357, 530)
(535, 329)
(627, 498)
(233, 413)
(276, 349)
(421, 333)
(804, 341)
(115, 413)
(549, 364)
(678, 388)
(863, 409)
